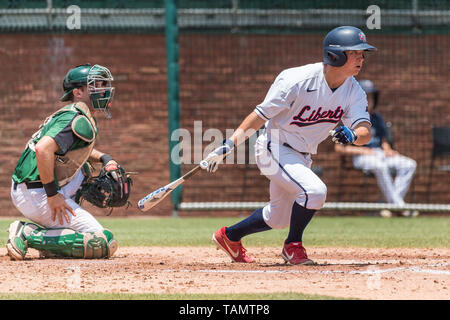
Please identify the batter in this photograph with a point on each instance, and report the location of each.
(300, 109)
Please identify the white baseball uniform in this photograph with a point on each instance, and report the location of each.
(32, 203)
(301, 109)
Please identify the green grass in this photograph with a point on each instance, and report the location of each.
(368, 232)
(150, 296)
(422, 232)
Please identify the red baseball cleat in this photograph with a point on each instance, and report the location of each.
(294, 253)
(233, 248)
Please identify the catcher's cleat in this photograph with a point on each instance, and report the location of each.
(16, 244)
(234, 249)
(295, 253)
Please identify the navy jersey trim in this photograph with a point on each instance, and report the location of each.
(368, 120)
(262, 113)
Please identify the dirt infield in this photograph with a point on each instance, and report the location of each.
(340, 272)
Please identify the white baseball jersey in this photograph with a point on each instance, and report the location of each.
(301, 108)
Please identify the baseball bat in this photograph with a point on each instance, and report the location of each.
(152, 199)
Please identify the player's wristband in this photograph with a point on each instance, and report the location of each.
(229, 143)
(50, 188)
(354, 136)
(105, 159)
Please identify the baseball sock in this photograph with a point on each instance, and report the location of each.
(252, 224)
(300, 218)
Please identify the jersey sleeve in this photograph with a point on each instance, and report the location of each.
(357, 111)
(65, 139)
(60, 129)
(278, 98)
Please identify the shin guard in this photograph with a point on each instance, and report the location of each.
(69, 243)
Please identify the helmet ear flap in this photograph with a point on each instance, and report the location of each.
(335, 58)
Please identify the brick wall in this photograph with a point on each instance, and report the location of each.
(222, 78)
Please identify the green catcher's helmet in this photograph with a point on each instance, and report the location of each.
(97, 80)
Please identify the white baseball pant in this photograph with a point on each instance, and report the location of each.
(32, 203)
(393, 190)
(291, 179)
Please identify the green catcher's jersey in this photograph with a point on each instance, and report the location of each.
(60, 127)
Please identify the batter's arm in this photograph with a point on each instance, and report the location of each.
(246, 129)
(252, 123)
(362, 131)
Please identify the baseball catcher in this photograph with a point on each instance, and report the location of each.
(53, 175)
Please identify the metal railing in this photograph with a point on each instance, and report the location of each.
(337, 206)
(104, 19)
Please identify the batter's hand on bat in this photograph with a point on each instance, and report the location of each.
(343, 135)
(216, 157)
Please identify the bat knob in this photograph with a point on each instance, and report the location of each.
(203, 164)
(141, 205)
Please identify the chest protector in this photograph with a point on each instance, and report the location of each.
(84, 127)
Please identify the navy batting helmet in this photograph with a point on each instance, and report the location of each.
(342, 39)
(369, 87)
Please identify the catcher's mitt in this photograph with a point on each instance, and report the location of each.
(108, 190)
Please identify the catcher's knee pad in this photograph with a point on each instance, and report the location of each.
(68, 243)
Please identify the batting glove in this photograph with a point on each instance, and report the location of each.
(343, 135)
(216, 157)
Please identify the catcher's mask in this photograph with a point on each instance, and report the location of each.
(97, 79)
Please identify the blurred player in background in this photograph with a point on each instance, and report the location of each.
(301, 107)
(49, 173)
(378, 157)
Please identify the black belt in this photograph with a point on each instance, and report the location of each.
(30, 184)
